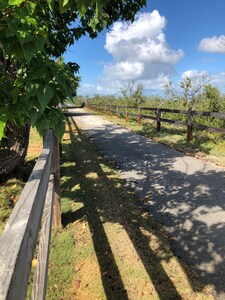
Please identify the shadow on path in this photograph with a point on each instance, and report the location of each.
(98, 210)
(185, 194)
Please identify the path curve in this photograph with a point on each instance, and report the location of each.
(185, 194)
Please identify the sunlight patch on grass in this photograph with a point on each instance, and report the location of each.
(76, 187)
(35, 145)
(92, 175)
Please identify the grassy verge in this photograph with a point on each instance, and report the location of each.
(12, 185)
(108, 246)
(205, 145)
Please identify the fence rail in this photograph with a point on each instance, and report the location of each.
(189, 123)
(33, 210)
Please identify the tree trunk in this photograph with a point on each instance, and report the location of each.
(14, 148)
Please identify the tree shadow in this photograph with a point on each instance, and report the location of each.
(187, 197)
(97, 211)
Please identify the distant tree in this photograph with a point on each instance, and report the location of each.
(132, 94)
(213, 96)
(190, 88)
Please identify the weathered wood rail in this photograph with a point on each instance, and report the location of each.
(140, 115)
(30, 221)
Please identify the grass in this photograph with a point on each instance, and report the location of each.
(12, 185)
(205, 145)
(108, 246)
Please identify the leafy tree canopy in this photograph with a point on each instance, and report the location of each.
(33, 36)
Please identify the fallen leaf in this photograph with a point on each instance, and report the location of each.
(34, 263)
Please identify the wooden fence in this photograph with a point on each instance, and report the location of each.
(158, 117)
(29, 222)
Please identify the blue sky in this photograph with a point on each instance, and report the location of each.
(170, 39)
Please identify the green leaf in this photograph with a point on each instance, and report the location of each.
(31, 21)
(3, 5)
(38, 73)
(2, 128)
(15, 2)
(15, 94)
(99, 8)
(24, 36)
(60, 129)
(64, 5)
(31, 7)
(93, 23)
(42, 124)
(44, 94)
(64, 2)
(33, 117)
(39, 42)
(82, 6)
(28, 50)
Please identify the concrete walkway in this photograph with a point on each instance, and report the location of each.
(185, 194)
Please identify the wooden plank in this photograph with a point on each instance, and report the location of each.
(148, 117)
(176, 122)
(174, 111)
(149, 108)
(19, 238)
(208, 128)
(56, 171)
(133, 115)
(41, 274)
(209, 114)
(122, 107)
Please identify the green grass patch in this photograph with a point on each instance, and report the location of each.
(61, 266)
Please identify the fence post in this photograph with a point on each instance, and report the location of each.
(117, 112)
(158, 119)
(190, 125)
(110, 110)
(126, 113)
(105, 109)
(139, 116)
(56, 173)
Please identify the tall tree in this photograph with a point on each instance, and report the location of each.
(190, 88)
(133, 93)
(213, 98)
(33, 34)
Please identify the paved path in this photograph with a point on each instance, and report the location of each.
(186, 194)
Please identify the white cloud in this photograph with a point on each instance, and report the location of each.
(156, 83)
(140, 51)
(194, 74)
(124, 70)
(215, 44)
(91, 89)
(217, 79)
